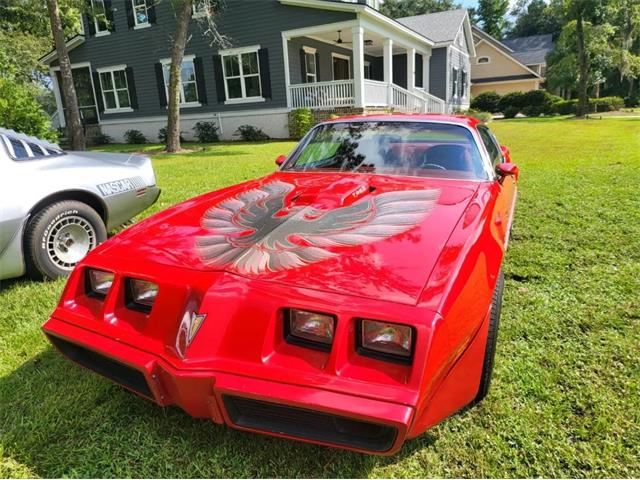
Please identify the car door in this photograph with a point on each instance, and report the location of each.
(506, 187)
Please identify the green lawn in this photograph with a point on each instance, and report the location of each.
(565, 400)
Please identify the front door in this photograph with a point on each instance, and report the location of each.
(341, 68)
(84, 91)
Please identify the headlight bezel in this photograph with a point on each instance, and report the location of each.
(361, 349)
(90, 287)
(293, 339)
(130, 295)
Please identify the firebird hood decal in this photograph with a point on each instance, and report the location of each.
(256, 232)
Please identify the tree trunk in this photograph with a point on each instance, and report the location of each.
(177, 54)
(583, 80)
(72, 117)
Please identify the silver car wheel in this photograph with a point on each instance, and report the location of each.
(69, 241)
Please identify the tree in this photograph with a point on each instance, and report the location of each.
(21, 112)
(535, 17)
(409, 8)
(208, 10)
(74, 125)
(564, 69)
(493, 16)
(625, 16)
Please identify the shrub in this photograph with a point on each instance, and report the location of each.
(249, 133)
(513, 101)
(134, 137)
(510, 112)
(206, 132)
(300, 122)
(20, 111)
(566, 107)
(486, 102)
(632, 101)
(537, 102)
(162, 135)
(101, 139)
(605, 104)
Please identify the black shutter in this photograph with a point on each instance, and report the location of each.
(108, 8)
(131, 83)
(318, 67)
(91, 25)
(129, 9)
(265, 76)
(151, 12)
(303, 65)
(162, 92)
(219, 76)
(98, 91)
(200, 83)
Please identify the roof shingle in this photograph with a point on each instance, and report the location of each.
(439, 27)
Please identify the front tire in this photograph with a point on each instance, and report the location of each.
(59, 236)
(492, 340)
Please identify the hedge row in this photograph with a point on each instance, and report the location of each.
(539, 102)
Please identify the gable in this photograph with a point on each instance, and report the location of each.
(501, 64)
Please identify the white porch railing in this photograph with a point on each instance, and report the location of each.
(338, 93)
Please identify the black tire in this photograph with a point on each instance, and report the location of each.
(492, 340)
(37, 245)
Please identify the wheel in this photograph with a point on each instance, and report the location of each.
(59, 236)
(492, 339)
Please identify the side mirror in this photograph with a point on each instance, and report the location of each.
(505, 153)
(507, 169)
(281, 159)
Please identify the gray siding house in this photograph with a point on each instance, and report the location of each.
(339, 56)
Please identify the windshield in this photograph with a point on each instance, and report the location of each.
(420, 149)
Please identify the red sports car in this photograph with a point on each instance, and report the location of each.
(350, 299)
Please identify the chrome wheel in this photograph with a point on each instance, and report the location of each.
(69, 240)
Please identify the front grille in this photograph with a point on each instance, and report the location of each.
(116, 371)
(309, 424)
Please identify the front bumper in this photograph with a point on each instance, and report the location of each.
(245, 403)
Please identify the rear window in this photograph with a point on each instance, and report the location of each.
(26, 150)
(419, 149)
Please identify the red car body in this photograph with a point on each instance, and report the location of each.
(213, 342)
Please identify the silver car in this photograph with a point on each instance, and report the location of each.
(55, 206)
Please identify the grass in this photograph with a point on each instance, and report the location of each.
(565, 401)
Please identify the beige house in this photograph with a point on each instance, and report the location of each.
(507, 66)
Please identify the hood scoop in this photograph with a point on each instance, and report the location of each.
(340, 193)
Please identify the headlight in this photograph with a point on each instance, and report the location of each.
(386, 341)
(98, 282)
(141, 294)
(309, 329)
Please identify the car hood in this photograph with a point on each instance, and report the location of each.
(367, 235)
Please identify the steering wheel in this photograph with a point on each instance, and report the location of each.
(432, 165)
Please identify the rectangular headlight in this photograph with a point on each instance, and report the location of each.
(386, 341)
(309, 329)
(98, 282)
(141, 294)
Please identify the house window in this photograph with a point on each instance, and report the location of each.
(99, 19)
(188, 85)
(241, 70)
(462, 84)
(482, 60)
(454, 82)
(310, 65)
(140, 13)
(367, 70)
(341, 67)
(115, 90)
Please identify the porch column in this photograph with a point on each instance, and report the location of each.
(287, 74)
(358, 66)
(411, 69)
(56, 94)
(426, 58)
(388, 60)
